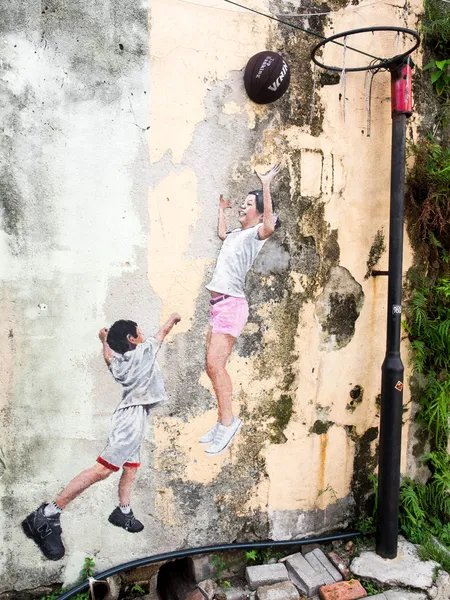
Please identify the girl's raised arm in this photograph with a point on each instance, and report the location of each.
(268, 226)
(223, 204)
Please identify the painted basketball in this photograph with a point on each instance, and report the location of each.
(266, 77)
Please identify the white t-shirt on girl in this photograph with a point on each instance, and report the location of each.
(236, 257)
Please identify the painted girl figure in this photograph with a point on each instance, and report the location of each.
(228, 305)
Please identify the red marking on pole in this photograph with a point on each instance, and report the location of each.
(399, 386)
(401, 91)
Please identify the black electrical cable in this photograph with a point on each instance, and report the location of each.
(257, 12)
(167, 556)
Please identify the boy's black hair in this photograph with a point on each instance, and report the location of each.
(260, 204)
(117, 335)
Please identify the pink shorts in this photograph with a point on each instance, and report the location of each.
(228, 316)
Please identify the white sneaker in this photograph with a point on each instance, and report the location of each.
(223, 437)
(209, 435)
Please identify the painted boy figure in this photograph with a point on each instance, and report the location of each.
(132, 362)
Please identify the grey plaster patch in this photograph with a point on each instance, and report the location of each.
(295, 524)
(407, 570)
(74, 114)
(273, 258)
(338, 308)
(220, 153)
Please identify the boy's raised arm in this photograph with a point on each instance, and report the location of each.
(107, 352)
(223, 204)
(167, 327)
(268, 226)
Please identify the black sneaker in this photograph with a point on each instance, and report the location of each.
(45, 532)
(128, 522)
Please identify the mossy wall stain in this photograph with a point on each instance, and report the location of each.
(338, 308)
(356, 397)
(11, 207)
(364, 465)
(321, 427)
(376, 251)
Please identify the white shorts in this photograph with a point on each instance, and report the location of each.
(125, 438)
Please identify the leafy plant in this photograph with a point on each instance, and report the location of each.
(430, 551)
(220, 565)
(88, 568)
(436, 25)
(262, 556)
(427, 195)
(251, 556)
(86, 572)
(54, 595)
(371, 588)
(138, 590)
(440, 75)
(425, 508)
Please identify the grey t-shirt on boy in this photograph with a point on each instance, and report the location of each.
(237, 255)
(140, 375)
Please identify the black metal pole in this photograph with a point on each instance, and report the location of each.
(392, 369)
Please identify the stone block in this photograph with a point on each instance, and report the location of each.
(37, 593)
(201, 567)
(260, 575)
(402, 595)
(343, 590)
(232, 593)
(152, 589)
(140, 574)
(407, 570)
(441, 589)
(312, 559)
(195, 595)
(285, 590)
(207, 588)
(326, 564)
(341, 564)
(307, 548)
(303, 576)
(115, 583)
(399, 595)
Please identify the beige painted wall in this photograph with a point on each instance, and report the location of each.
(117, 149)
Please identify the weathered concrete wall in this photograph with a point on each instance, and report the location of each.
(122, 125)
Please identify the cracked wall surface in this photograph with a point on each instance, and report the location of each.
(122, 124)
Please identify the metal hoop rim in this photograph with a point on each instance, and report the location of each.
(382, 64)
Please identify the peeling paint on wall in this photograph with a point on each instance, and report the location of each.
(122, 127)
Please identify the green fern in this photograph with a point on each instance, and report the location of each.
(425, 508)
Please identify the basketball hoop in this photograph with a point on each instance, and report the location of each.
(389, 50)
(380, 52)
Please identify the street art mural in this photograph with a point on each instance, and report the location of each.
(229, 307)
(143, 191)
(131, 359)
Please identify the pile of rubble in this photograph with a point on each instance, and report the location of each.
(313, 574)
(333, 572)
